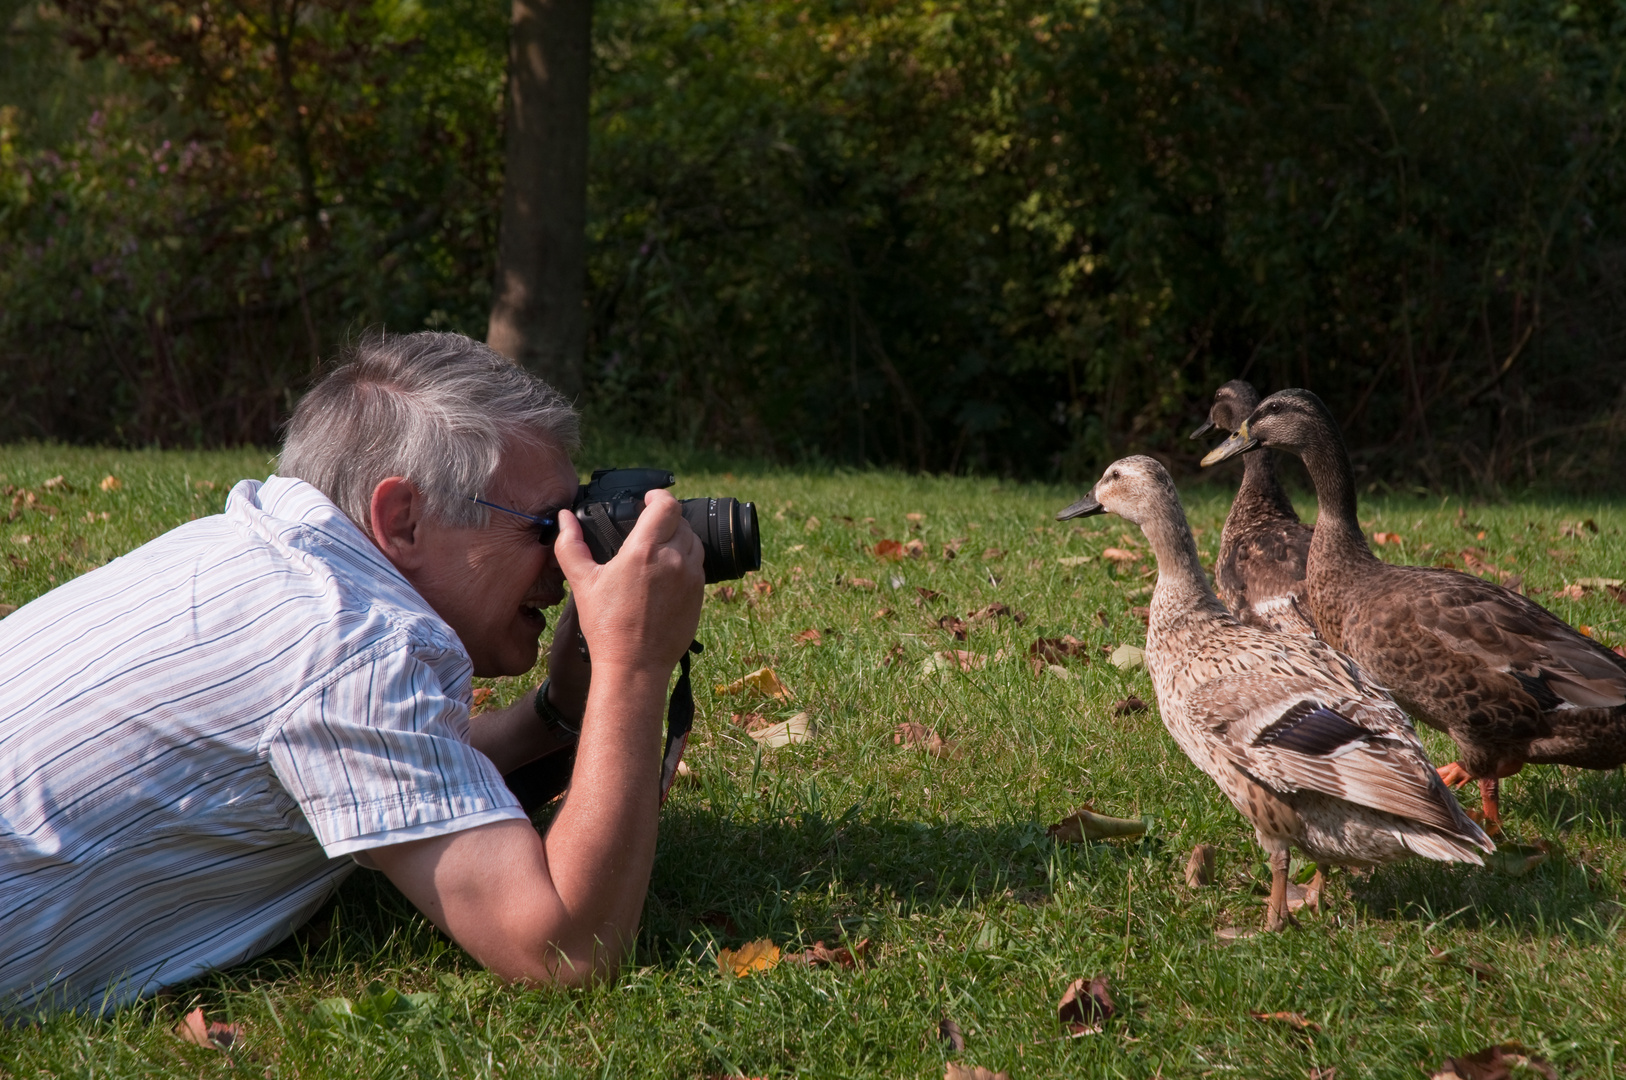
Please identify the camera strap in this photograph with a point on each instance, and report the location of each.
(679, 721)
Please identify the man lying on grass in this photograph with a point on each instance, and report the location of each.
(200, 740)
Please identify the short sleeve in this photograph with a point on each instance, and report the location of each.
(381, 748)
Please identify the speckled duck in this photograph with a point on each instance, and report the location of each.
(1304, 746)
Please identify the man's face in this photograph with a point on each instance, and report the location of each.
(491, 584)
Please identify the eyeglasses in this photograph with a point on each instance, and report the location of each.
(547, 528)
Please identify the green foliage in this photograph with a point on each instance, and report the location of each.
(1012, 236)
(974, 914)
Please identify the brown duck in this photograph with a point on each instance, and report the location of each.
(1264, 546)
(1299, 740)
(1507, 679)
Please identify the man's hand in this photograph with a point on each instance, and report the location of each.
(640, 609)
(564, 908)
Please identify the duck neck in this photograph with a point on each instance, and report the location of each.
(1261, 494)
(1337, 528)
(1182, 585)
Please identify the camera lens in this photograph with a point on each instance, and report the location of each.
(728, 531)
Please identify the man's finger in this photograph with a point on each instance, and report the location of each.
(659, 522)
(575, 558)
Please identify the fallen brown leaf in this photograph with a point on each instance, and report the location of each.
(951, 659)
(759, 955)
(1144, 614)
(1493, 1063)
(1381, 538)
(751, 721)
(994, 611)
(809, 636)
(954, 625)
(957, 1071)
(478, 698)
(1057, 650)
(1228, 934)
(882, 613)
(724, 594)
(1130, 704)
(1449, 958)
(914, 519)
(1085, 824)
(111, 483)
(1571, 592)
(1328, 1073)
(763, 588)
(1294, 1020)
(992, 554)
(949, 1032)
(926, 595)
(762, 680)
(952, 548)
(1119, 555)
(1200, 867)
(212, 1035)
(915, 736)
(811, 524)
(888, 550)
(860, 583)
(892, 656)
(840, 956)
(1086, 1006)
(914, 548)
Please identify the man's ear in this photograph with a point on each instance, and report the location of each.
(397, 518)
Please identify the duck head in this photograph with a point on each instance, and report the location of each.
(1131, 487)
(1287, 419)
(1233, 402)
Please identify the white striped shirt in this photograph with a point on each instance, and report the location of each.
(196, 736)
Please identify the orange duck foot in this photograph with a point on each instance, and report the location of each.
(1453, 775)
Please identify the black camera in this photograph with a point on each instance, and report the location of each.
(608, 506)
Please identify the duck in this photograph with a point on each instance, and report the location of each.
(1264, 545)
(1509, 681)
(1311, 752)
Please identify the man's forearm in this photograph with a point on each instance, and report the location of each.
(601, 845)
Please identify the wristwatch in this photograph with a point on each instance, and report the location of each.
(555, 721)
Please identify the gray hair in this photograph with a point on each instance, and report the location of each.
(438, 409)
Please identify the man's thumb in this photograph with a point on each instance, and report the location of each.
(570, 548)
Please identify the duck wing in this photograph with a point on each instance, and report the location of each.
(1293, 731)
(1554, 663)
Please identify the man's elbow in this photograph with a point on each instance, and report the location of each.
(562, 963)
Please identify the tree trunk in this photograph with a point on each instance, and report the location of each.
(538, 315)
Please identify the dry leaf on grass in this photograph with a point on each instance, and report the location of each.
(994, 611)
(949, 1032)
(954, 625)
(1119, 555)
(724, 594)
(1085, 824)
(751, 721)
(1144, 614)
(892, 656)
(762, 680)
(1052, 652)
(949, 660)
(914, 518)
(753, 956)
(1200, 867)
(914, 548)
(860, 583)
(1381, 538)
(213, 1035)
(914, 736)
(811, 525)
(1294, 1020)
(798, 729)
(1493, 1063)
(809, 636)
(111, 483)
(763, 588)
(957, 1071)
(1128, 657)
(1086, 1007)
(478, 699)
(1330, 1072)
(952, 548)
(888, 551)
(882, 613)
(1449, 958)
(1130, 704)
(1227, 934)
(926, 595)
(1075, 560)
(821, 956)
(992, 554)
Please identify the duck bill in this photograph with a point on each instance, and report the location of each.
(1239, 443)
(1207, 426)
(1082, 508)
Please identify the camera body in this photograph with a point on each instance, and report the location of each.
(609, 503)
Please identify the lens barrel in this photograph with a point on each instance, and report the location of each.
(728, 532)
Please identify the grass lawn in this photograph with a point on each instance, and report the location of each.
(973, 913)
